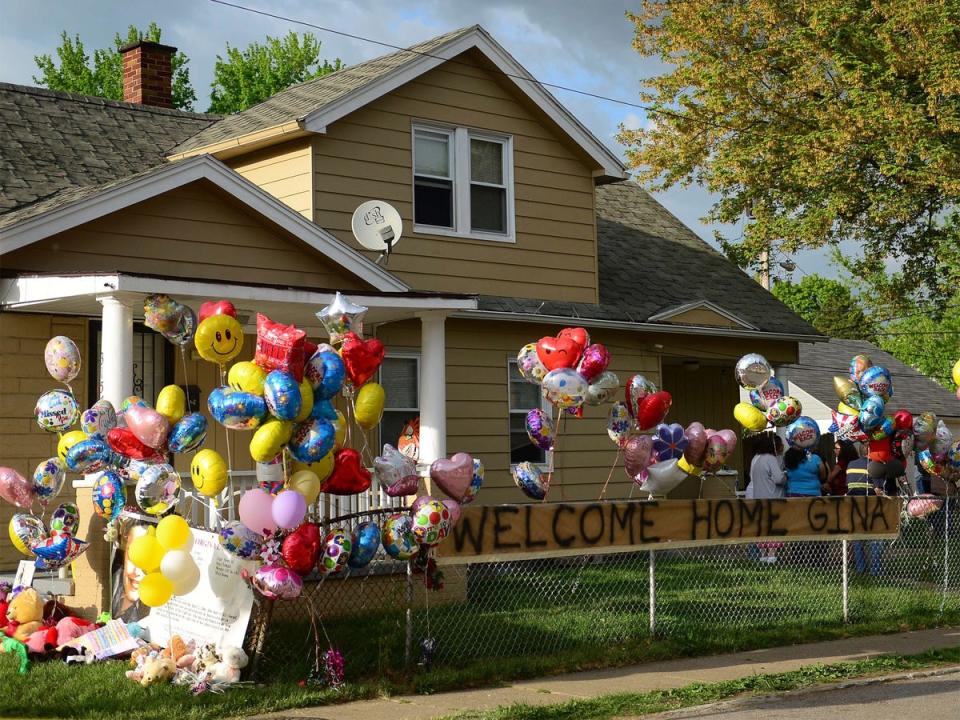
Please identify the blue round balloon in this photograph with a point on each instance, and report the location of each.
(90, 456)
(768, 393)
(235, 409)
(803, 433)
(282, 395)
(530, 480)
(323, 410)
(108, 495)
(325, 371)
(365, 541)
(312, 439)
(876, 382)
(188, 434)
(871, 412)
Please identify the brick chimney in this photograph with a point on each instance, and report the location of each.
(147, 73)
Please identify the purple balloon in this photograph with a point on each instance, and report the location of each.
(540, 429)
(669, 442)
(289, 508)
(696, 436)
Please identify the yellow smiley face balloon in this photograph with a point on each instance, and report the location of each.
(208, 472)
(219, 339)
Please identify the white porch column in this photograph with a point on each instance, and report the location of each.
(433, 387)
(116, 349)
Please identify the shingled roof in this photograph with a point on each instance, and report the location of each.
(650, 262)
(912, 390)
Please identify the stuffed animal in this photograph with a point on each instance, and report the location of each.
(70, 628)
(180, 651)
(158, 670)
(15, 648)
(43, 640)
(5, 589)
(229, 668)
(24, 615)
(206, 657)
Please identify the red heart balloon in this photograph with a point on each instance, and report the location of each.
(220, 307)
(578, 334)
(123, 441)
(903, 420)
(301, 548)
(349, 476)
(557, 352)
(361, 357)
(653, 409)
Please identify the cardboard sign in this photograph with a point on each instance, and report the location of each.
(24, 576)
(577, 528)
(217, 610)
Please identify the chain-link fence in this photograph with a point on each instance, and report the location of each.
(696, 599)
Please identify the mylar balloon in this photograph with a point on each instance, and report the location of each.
(324, 410)
(183, 330)
(593, 362)
(334, 552)
(100, 419)
(276, 582)
(247, 376)
(578, 334)
(237, 539)
(752, 371)
(56, 411)
(529, 365)
(280, 347)
(349, 476)
(395, 472)
(453, 476)
(696, 448)
(25, 531)
(619, 423)
(306, 401)
(108, 495)
(150, 427)
(763, 396)
(62, 358)
(398, 538)
(130, 401)
(188, 434)
(256, 511)
(558, 353)
(301, 548)
(67, 441)
(361, 358)
(124, 442)
(748, 416)
(858, 365)
(847, 391)
(325, 371)
(664, 476)
(431, 522)
(653, 409)
(564, 388)
(847, 427)
(876, 381)
(236, 410)
(282, 394)
(540, 429)
(530, 480)
(311, 440)
(219, 337)
(670, 441)
(871, 412)
(716, 453)
(803, 433)
(160, 312)
(158, 489)
(784, 410)
(65, 519)
(321, 469)
(208, 471)
(172, 403)
(636, 389)
(342, 316)
(89, 456)
(368, 405)
(58, 551)
(364, 543)
(637, 454)
(475, 484)
(48, 479)
(269, 440)
(924, 429)
(270, 475)
(603, 389)
(306, 483)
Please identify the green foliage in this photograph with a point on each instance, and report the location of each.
(104, 77)
(828, 305)
(250, 76)
(828, 120)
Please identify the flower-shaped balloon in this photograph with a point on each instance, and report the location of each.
(342, 316)
(669, 442)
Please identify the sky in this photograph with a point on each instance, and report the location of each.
(582, 44)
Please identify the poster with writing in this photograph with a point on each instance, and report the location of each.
(217, 610)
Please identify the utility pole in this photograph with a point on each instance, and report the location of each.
(765, 268)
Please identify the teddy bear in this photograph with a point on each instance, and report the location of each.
(157, 670)
(205, 658)
(180, 651)
(24, 614)
(229, 668)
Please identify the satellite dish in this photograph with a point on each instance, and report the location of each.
(377, 226)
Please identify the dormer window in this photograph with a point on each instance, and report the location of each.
(462, 183)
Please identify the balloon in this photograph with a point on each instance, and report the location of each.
(858, 365)
(847, 391)
(246, 376)
(306, 401)
(236, 410)
(653, 409)
(25, 531)
(637, 453)
(124, 442)
(340, 317)
(158, 489)
(189, 582)
(636, 389)
(540, 429)
(172, 403)
(48, 479)
(108, 495)
(301, 548)
(306, 483)
(183, 330)
(847, 427)
(276, 582)
(803, 433)
(335, 552)
(349, 476)
(280, 348)
(282, 394)
(62, 358)
(529, 365)
(670, 441)
(530, 480)
(173, 532)
(160, 312)
(188, 434)
(270, 475)
(146, 552)
(924, 428)
(752, 371)
(942, 439)
(871, 412)
(364, 542)
(130, 401)
(784, 411)
(288, 509)
(603, 389)
(325, 372)
(748, 416)
(763, 396)
(923, 505)
(578, 334)
(431, 522)
(311, 440)
(56, 411)
(593, 362)
(397, 537)
(255, 511)
(395, 472)
(729, 438)
(269, 440)
(558, 353)
(876, 381)
(324, 410)
(155, 589)
(237, 539)
(361, 358)
(322, 468)
(340, 430)
(67, 441)
(98, 420)
(696, 436)
(219, 337)
(664, 476)
(177, 566)
(476, 482)
(65, 519)
(716, 453)
(564, 388)
(368, 405)
(89, 456)
(955, 373)
(453, 476)
(903, 420)
(150, 427)
(58, 551)
(619, 423)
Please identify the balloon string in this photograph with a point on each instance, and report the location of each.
(186, 385)
(226, 433)
(610, 474)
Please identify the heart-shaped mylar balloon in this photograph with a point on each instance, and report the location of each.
(150, 427)
(636, 389)
(349, 476)
(558, 352)
(361, 358)
(593, 361)
(636, 454)
(578, 334)
(396, 473)
(301, 548)
(696, 436)
(653, 409)
(453, 475)
(123, 441)
(716, 454)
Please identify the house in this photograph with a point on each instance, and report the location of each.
(517, 221)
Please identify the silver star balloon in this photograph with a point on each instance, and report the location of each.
(342, 316)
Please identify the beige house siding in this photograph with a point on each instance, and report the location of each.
(703, 316)
(283, 171)
(193, 232)
(367, 155)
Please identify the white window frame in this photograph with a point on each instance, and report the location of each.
(400, 355)
(547, 464)
(460, 171)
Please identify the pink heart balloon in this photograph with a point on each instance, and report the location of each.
(453, 476)
(696, 436)
(150, 427)
(716, 454)
(636, 454)
(730, 438)
(15, 488)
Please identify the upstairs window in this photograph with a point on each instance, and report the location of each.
(462, 183)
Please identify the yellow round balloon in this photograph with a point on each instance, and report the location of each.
(956, 373)
(750, 417)
(155, 589)
(321, 468)
(172, 403)
(146, 552)
(172, 532)
(369, 405)
(269, 439)
(24, 550)
(306, 401)
(219, 339)
(306, 483)
(208, 470)
(340, 430)
(845, 409)
(67, 441)
(247, 376)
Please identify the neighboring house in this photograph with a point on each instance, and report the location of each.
(517, 221)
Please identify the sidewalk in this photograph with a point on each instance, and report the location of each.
(635, 678)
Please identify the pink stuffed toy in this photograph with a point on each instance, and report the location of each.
(42, 641)
(70, 628)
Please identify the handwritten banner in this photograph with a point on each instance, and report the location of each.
(575, 528)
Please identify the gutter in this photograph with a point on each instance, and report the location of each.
(246, 143)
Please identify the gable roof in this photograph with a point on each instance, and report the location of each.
(912, 389)
(312, 105)
(650, 263)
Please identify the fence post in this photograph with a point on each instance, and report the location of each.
(846, 583)
(408, 638)
(653, 592)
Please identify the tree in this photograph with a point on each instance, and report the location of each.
(104, 78)
(824, 120)
(250, 76)
(828, 305)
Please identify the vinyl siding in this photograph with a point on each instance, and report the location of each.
(283, 171)
(367, 155)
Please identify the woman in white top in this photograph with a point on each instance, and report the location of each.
(767, 480)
